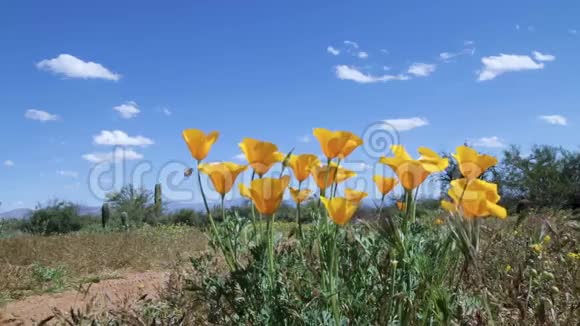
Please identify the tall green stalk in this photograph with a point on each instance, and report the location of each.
(227, 254)
(298, 214)
(270, 251)
(333, 278)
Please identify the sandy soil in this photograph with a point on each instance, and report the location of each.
(103, 295)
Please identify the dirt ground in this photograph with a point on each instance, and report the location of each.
(103, 295)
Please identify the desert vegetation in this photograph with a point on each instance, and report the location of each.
(500, 246)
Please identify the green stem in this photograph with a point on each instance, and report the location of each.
(391, 293)
(214, 229)
(335, 183)
(271, 267)
(253, 208)
(298, 217)
(333, 278)
(382, 205)
(414, 205)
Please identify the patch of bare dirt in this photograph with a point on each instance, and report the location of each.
(103, 295)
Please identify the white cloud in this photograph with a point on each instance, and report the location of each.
(543, 57)
(120, 138)
(127, 110)
(357, 166)
(384, 51)
(494, 66)
(166, 111)
(351, 73)
(351, 43)
(118, 155)
(447, 56)
(554, 119)
(421, 69)
(9, 163)
(304, 139)
(40, 115)
(468, 42)
(517, 27)
(363, 55)
(239, 157)
(406, 124)
(70, 174)
(332, 50)
(573, 31)
(492, 142)
(73, 67)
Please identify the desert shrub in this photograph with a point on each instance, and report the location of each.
(186, 217)
(548, 177)
(56, 218)
(11, 227)
(135, 202)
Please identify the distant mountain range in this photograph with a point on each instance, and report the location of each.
(170, 207)
(19, 213)
(22, 213)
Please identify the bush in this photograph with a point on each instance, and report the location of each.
(187, 217)
(136, 202)
(58, 217)
(548, 177)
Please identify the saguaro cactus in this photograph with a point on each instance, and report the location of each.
(105, 214)
(158, 200)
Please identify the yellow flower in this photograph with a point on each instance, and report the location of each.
(198, 142)
(477, 198)
(385, 185)
(326, 175)
(301, 165)
(222, 175)
(439, 221)
(344, 174)
(339, 209)
(537, 247)
(432, 161)
(299, 195)
(546, 239)
(412, 173)
(471, 163)
(260, 155)
(267, 193)
(448, 206)
(245, 191)
(336, 143)
(354, 195)
(573, 255)
(401, 206)
(508, 268)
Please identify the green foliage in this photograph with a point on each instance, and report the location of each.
(135, 202)
(53, 276)
(370, 279)
(58, 217)
(186, 217)
(548, 177)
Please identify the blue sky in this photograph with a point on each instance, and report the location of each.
(133, 72)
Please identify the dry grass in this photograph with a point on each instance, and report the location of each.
(36, 264)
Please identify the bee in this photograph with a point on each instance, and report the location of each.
(188, 172)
